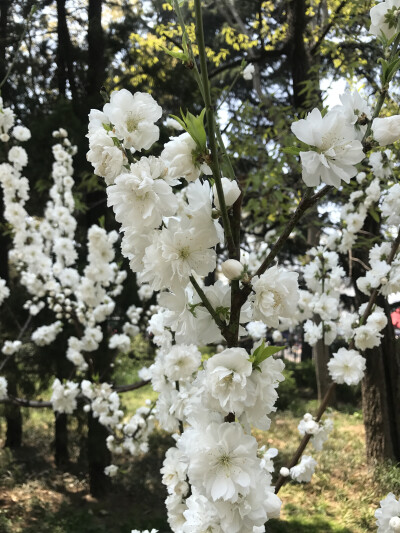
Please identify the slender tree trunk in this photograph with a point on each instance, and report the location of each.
(97, 200)
(61, 453)
(99, 457)
(65, 70)
(98, 454)
(4, 10)
(13, 412)
(62, 370)
(306, 350)
(96, 57)
(321, 354)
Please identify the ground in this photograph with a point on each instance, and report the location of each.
(36, 497)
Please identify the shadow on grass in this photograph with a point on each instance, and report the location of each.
(81, 518)
(316, 525)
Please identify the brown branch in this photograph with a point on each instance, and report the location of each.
(299, 452)
(306, 202)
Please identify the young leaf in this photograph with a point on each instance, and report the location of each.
(263, 352)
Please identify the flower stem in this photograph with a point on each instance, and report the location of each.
(210, 115)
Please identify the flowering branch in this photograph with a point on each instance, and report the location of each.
(23, 329)
(221, 324)
(306, 202)
(23, 402)
(325, 401)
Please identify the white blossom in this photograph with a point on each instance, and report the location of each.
(386, 130)
(133, 117)
(347, 366)
(387, 513)
(231, 192)
(248, 72)
(276, 295)
(338, 148)
(64, 396)
(303, 472)
(3, 388)
(378, 23)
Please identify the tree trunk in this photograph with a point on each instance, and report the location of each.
(65, 70)
(13, 412)
(4, 9)
(61, 441)
(98, 454)
(96, 58)
(381, 383)
(300, 60)
(380, 398)
(99, 457)
(321, 355)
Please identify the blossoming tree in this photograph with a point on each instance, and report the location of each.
(180, 214)
(215, 477)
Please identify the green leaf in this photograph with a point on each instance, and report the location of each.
(179, 120)
(182, 56)
(263, 352)
(292, 150)
(374, 214)
(194, 125)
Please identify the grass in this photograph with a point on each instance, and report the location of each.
(36, 497)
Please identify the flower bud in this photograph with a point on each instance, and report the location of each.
(284, 472)
(394, 524)
(232, 269)
(231, 192)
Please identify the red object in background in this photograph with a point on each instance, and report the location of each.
(395, 316)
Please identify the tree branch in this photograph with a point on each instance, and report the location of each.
(24, 402)
(325, 401)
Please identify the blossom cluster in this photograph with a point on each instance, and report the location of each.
(169, 236)
(45, 254)
(336, 138)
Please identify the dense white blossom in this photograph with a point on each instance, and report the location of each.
(276, 295)
(226, 379)
(179, 155)
(303, 472)
(390, 205)
(347, 366)
(133, 117)
(11, 347)
(231, 192)
(141, 198)
(388, 515)
(64, 396)
(248, 72)
(223, 460)
(338, 150)
(45, 335)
